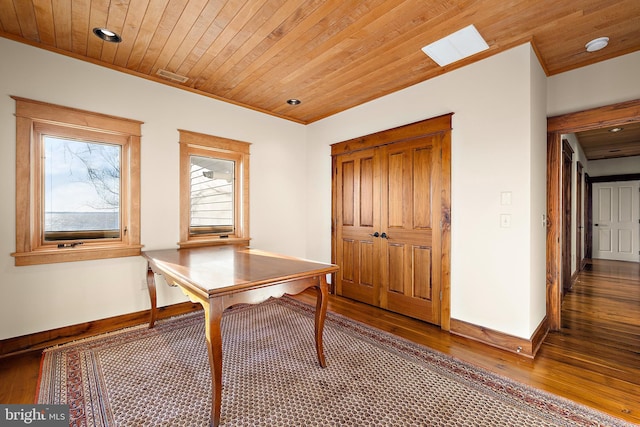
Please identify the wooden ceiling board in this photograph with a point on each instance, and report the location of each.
(603, 144)
(43, 14)
(240, 41)
(295, 34)
(144, 34)
(130, 31)
(98, 15)
(331, 54)
(27, 20)
(80, 30)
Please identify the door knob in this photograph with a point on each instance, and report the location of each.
(376, 234)
(384, 236)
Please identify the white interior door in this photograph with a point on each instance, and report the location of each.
(616, 220)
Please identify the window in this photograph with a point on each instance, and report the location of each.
(77, 184)
(214, 190)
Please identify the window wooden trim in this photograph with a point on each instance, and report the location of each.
(193, 143)
(31, 116)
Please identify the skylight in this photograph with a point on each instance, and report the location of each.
(459, 45)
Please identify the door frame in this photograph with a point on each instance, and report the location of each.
(567, 190)
(579, 215)
(595, 118)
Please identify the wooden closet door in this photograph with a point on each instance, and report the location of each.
(357, 220)
(391, 219)
(410, 218)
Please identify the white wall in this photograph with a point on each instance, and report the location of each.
(619, 166)
(498, 144)
(44, 297)
(604, 83)
(537, 206)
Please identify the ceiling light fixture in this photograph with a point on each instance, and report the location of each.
(597, 44)
(293, 101)
(107, 35)
(615, 130)
(459, 45)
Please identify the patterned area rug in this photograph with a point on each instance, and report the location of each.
(271, 377)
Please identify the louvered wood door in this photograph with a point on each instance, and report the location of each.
(357, 217)
(410, 249)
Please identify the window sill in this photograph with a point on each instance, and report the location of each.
(214, 242)
(50, 256)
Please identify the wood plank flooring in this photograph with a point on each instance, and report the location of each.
(594, 360)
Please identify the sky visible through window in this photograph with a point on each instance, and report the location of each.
(81, 185)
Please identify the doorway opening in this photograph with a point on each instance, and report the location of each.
(597, 118)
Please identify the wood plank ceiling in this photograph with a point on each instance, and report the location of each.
(330, 54)
(611, 142)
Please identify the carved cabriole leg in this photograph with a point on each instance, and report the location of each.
(213, 314)
(321, 311)
(151, 284)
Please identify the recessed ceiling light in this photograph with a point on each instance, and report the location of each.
(597, 44)
(456, 46)
(293, 101)
(107, 35)
(615, 130)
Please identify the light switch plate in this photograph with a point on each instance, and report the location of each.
(505, 220)
(505, 198)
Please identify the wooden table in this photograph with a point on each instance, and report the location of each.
(218, 277)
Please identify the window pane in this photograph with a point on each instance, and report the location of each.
(81, 189)
(212, 194)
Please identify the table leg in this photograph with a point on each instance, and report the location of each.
(321, 312)
(213, 314)
(151, 284)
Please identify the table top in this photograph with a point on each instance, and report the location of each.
(229, 268)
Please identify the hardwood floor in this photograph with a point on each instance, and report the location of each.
(594, 360)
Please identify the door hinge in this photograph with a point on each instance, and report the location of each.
(440, 295)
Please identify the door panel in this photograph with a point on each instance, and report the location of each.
(408, 188)
(366, 262)
(366, 192)
(422, 272)
(616, 217)
(348, 181)
(422, 165)
(395, 268)
(359, 211)
(347, 269)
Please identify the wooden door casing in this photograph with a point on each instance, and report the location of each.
(391, 219)
(579, 217)
(567, 159)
